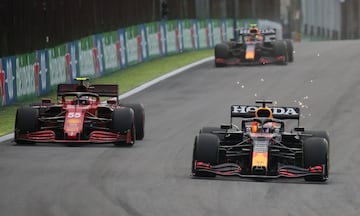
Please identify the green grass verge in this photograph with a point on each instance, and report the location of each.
(127, 79)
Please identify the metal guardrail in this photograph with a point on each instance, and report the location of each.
(47, 23)
(331, 19)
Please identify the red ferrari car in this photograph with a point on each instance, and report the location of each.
(80, 116)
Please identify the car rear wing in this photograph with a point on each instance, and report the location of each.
(248, 111)
(65, 88)
(105, 90)
(267, 31)
(242, 34)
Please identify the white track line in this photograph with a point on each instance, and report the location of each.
(141, 87)
(163, 77)
(7, 137)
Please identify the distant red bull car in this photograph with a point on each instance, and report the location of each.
(254, 46)
(259, 147)
(79, 116)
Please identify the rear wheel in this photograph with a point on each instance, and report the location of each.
(280, 50)
(26, 122)
(321, 134)
(315, 153)
(213, 130)
(221, 52)
(123, 123)
(206, 150)
(139, 119)
(290, 50)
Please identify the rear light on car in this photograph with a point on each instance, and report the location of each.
(219, 60)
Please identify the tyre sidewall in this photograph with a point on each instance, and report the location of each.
(315, 153)
(221, 51)
(26, 120)
(122, 121)
(206, 150)
(290, 50)
(139, 119)
(280, 50)
(211, 130)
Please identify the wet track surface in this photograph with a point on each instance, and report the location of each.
(153, 177)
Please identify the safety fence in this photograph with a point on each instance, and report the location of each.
(34, 74)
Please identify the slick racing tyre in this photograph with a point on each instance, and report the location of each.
(290, 50)
(211, 131)
(206, 150)
(321, 134)
(122, 122)
(139, 118)
(221, 52)
(26, 121)
(280, 50)
(315, 153)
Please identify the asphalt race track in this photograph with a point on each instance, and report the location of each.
(153, 177)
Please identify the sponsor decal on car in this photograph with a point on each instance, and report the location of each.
(243, 109)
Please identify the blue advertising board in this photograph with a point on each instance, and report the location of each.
(163, 46)
(121, 48)
(8, 80)
(179, 35)
(98, 52)
(42, 72)
(209, 33)
(144, 50)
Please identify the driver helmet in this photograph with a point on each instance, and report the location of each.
(83, 84)
(82, 100)
(82, 87)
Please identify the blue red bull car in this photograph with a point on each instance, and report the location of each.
(259, 147)
(254, 46)
(81, 116)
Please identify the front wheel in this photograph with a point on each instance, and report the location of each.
(206, 150)
(123, 123)
(280, 50)
(213, 130)
(321, 134)
(26, 121)
(139, 118)
(315, 153)
(221, 54)
(290, 50)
